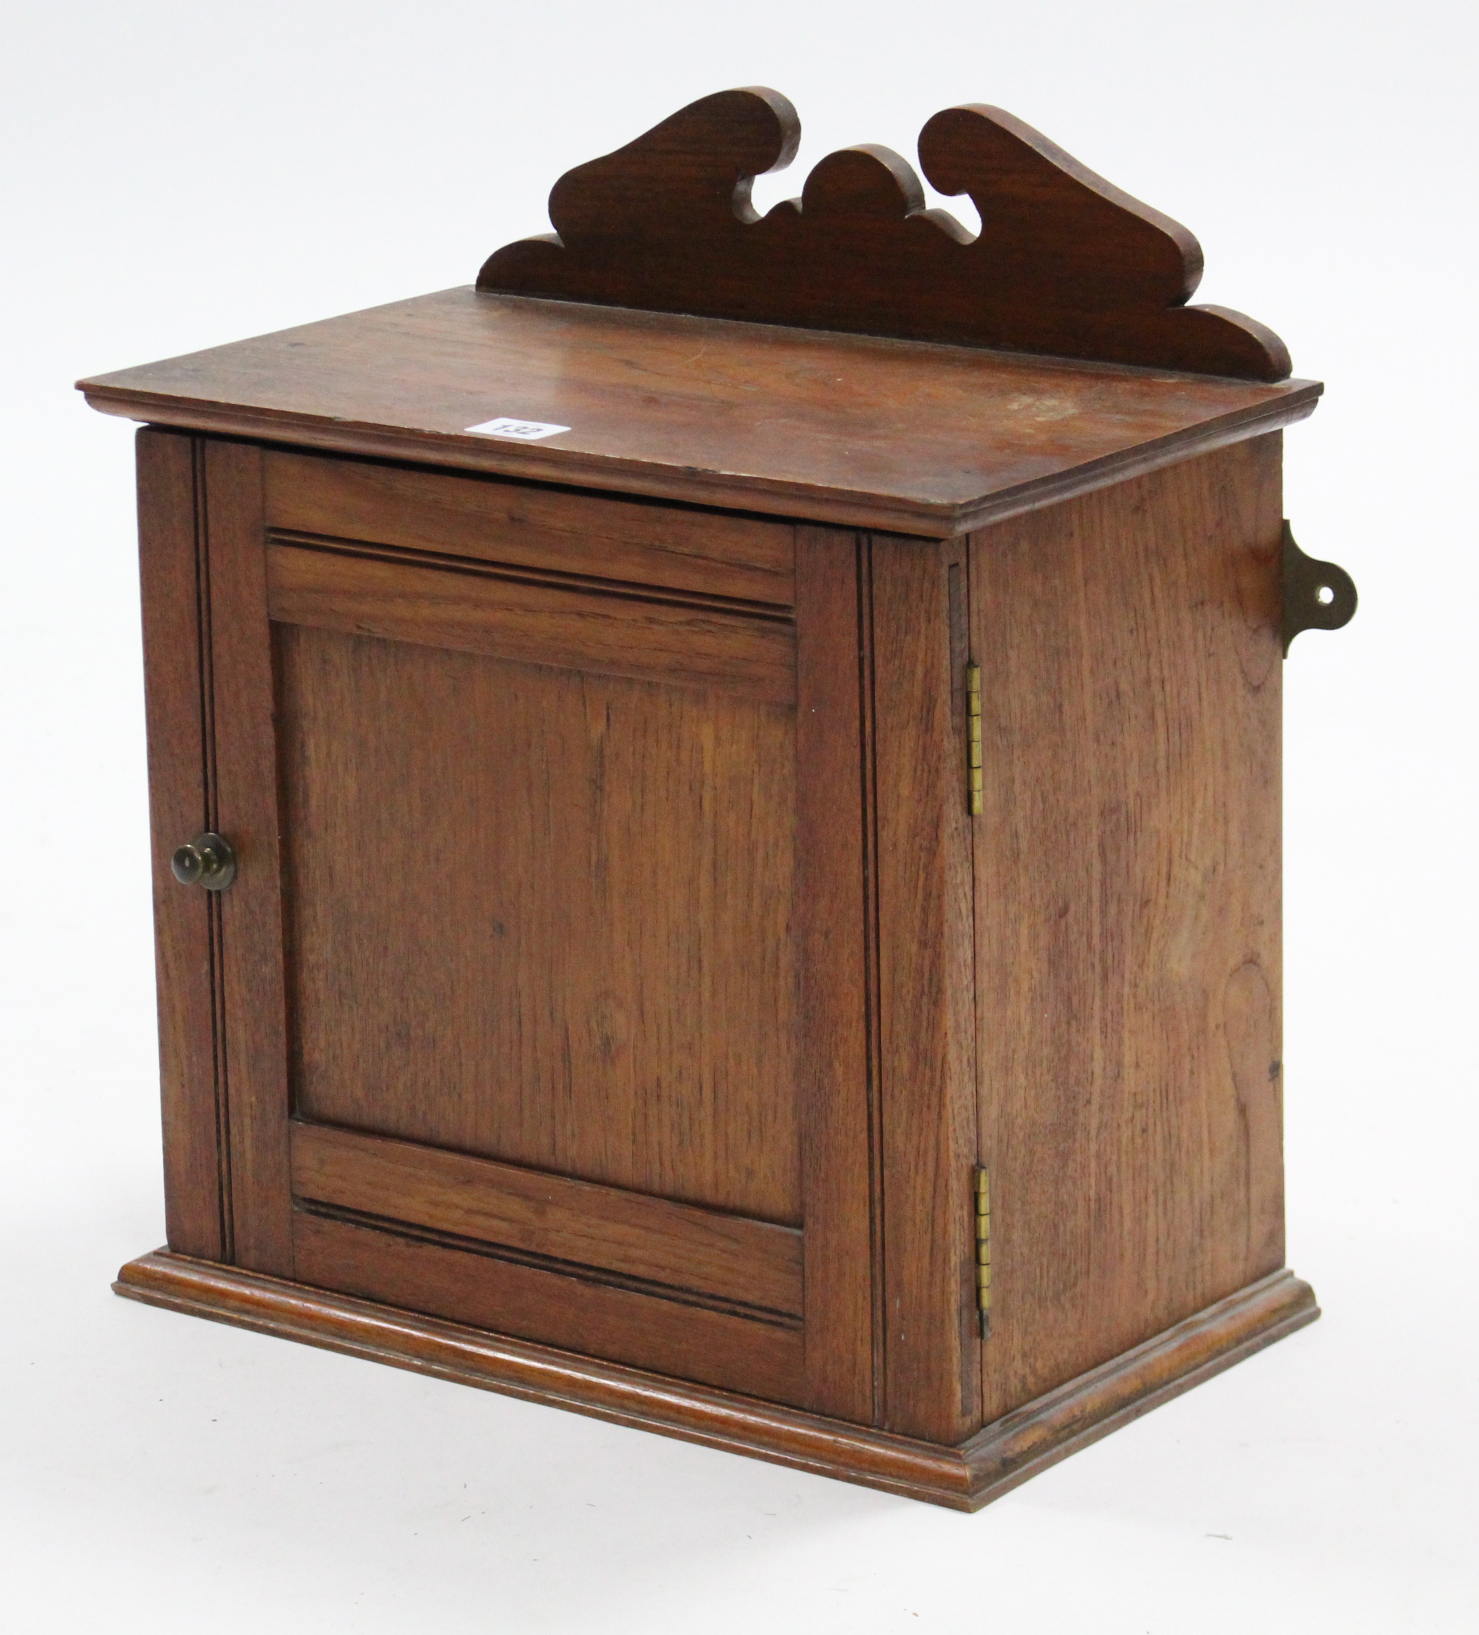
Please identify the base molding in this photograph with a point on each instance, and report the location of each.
(964, 1477)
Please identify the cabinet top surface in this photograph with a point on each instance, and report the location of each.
(858, 430)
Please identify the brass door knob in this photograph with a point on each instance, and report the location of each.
(205, 861)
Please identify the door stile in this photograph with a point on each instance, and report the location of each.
(926, 995)
(835, 1075)
(253, 987)
(176, 668)
(869, 770)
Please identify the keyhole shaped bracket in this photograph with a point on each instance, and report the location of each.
(1317, 595)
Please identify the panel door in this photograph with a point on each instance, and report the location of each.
(539, 996)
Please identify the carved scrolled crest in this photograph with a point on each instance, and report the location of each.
(1065, 263)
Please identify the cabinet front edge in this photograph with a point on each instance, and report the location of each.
(896, 514)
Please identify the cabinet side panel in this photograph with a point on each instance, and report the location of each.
(925, 983)
(195, 1187)
(1128, 932)
(836, 1080)
(251, 908)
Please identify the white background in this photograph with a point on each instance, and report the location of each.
(182, 175)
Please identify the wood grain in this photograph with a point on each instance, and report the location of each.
(544, 916)
(836, 1073)
(925, 986)
(709, 552)
(848, 429)
(1065, 263)
(192, 1086)
(997, 1459)
(684, 1339)
(242, 710)
(750, 1262)
(1127, 911)
(470, 609)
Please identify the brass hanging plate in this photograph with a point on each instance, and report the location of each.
(1317, 595)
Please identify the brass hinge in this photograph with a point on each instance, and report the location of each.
(974, 792)
(983, 1249)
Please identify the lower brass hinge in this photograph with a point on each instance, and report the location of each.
(983, 1250)
(974, 793)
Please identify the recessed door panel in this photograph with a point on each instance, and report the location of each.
(542, 916)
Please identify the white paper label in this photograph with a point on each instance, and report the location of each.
(521, 431)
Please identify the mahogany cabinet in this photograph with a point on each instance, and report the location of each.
(716, 811)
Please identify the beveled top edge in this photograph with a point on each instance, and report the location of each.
(329, 386)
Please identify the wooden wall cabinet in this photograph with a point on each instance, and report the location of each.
(817, 750)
